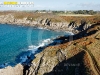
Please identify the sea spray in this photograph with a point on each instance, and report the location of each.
(14, 47)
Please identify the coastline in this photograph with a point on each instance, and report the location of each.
(44, 27)
(51, 58)
(29, 54)
(39, 23)
(59, 26)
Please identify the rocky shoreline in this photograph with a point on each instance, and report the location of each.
(44, 23)
(58, 58)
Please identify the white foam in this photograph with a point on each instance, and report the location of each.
(70, 33)
(41, 44)
(40, 28)
(31, 47)
(34, 48)
(45, 42)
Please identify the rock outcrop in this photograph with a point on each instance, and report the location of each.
(77, 54)
(17, 70)
(44, 23)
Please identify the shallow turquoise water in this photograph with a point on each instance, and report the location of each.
(16, 39)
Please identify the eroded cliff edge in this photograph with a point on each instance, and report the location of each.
(75, 55)
(78, 54)
(46, 21)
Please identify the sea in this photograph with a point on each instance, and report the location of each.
(17, 42)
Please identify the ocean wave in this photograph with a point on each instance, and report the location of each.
(43, 28)
(32, 50)
(41, 44)
(68, 32)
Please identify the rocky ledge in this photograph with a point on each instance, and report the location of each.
(78, 54)
(17, 70)
(45, 23)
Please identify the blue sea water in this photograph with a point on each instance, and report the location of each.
(15, 40)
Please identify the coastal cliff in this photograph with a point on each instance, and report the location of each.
(46, 22)
(77, 54)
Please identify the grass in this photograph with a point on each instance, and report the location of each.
(77, 19)
(90, 19)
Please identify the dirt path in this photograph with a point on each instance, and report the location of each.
(93, 61)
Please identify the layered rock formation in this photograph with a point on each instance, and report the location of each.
(77, 54)
(44, 23)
